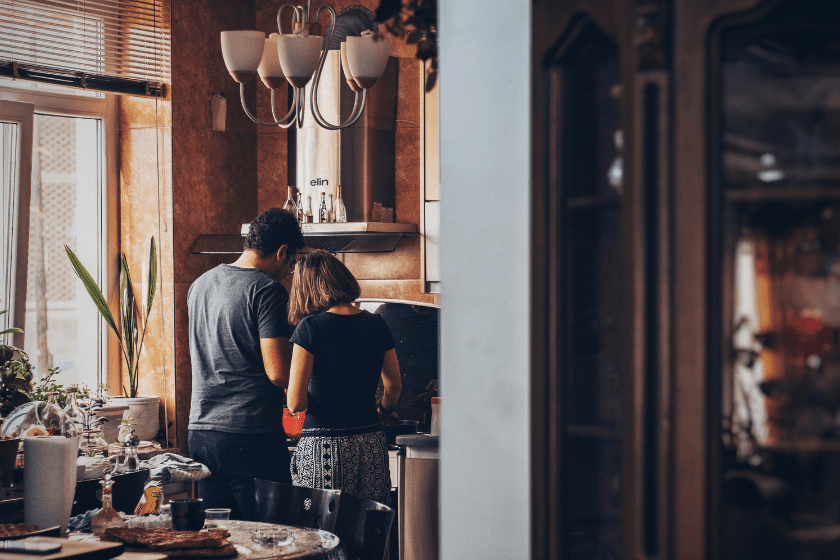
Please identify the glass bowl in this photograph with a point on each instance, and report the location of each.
(38, 418)
(273, 537)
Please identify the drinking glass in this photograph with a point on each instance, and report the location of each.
(216, 518)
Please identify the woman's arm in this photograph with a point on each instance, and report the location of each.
(301, 373)
(391, 380)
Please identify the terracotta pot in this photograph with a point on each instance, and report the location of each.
(293, 423)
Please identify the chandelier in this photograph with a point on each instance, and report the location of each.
(298, 56)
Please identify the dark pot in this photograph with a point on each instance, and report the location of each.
(8, 454)
(402, 427)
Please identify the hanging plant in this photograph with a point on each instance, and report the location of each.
(416, 22)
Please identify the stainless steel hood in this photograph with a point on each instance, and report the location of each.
(350, 237)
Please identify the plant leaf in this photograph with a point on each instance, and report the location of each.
(128, 317)
(14, 330)
(152, 279)
(92, 289)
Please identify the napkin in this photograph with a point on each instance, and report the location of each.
(175, 467)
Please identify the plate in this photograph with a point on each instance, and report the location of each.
(48, 532)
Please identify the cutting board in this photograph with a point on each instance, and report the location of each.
(81, 550)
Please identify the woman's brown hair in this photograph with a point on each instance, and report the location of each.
(320, 282)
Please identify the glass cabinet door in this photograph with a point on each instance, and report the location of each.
(588, 93)
(775, 237)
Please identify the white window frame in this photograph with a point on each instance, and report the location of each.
(104, 107)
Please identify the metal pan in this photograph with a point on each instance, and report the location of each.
(401, 427)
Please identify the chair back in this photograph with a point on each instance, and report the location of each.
(363, 525)
(296, 505)
(126, 492)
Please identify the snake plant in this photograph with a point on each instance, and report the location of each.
(129, 335)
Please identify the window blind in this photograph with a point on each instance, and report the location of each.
(117, 46)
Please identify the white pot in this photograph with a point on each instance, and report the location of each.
(114, 413)
(143, 412)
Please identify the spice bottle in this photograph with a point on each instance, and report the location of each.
(322, 209)
(308, 210)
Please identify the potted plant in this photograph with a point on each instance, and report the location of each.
(143, 409)
(15, 387)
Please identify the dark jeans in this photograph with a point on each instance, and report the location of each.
(235, 460)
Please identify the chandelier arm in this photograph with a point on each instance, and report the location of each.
(247, 112)
(355, 115)
(289, 119)
(313, 97)
(302, 106)
(298, 15)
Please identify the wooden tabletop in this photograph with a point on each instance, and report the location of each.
(309, 544)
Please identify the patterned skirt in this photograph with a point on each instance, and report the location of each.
(353, 461)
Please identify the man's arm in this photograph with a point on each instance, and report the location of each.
(277, 357)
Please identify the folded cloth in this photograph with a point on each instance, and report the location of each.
(91, 467)
(81, 522)
(174, 467)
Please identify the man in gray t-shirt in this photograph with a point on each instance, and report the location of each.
(240, 354)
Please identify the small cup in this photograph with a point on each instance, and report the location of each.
(216, 518)
(187, 514)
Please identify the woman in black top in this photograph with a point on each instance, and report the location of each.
(339, 354)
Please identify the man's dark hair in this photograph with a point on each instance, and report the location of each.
(271, 229)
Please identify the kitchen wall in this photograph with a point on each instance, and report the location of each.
(145, 211)
(211, 182)
(390, 275)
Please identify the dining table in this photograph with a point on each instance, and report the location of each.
(308, 544)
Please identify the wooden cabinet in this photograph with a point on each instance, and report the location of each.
(430, 184)
(687, 279)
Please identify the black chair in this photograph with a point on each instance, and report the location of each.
(125, 494)
(285, 504)
(363, 526)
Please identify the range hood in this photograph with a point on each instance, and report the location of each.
(350, 237)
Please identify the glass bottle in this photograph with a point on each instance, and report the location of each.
(72, 409)
(322, 209)
(301, 215)
(131, 443)
(330, 209)
(308, 210)
(290, 203)
(340, 210)
(107, 517)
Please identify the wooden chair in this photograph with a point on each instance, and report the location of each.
(363, 526)
(296, 505)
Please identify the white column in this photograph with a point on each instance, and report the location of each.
(485, 119)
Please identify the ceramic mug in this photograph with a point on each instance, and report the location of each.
(187, 514)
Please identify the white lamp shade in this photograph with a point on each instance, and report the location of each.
(344, 66)
(299, 56)
(270, 70)
(242, 51)
(367, 57)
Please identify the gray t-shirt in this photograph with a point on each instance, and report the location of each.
(230, 309)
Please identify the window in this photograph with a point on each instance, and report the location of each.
(105, 45)
(69, 201)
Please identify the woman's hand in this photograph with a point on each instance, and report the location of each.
(386, 417)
